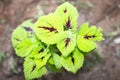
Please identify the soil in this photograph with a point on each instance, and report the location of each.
(103, 13)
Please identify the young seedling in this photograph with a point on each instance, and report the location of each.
(53, 42)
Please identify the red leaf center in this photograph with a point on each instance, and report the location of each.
(50, 29)
(67, 42)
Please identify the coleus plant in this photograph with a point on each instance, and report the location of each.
(53, 42)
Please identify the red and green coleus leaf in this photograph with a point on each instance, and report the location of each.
(67, 45)
(49, 28)
(69, 15)
(34, 65)
(39, 52)
(87, 36)
(24, 39)
(42, 61)
(31, 69)
(73, 62)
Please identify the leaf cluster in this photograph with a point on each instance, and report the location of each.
(53, 42)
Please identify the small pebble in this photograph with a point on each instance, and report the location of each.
(117, 40)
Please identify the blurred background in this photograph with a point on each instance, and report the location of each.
(102, 64)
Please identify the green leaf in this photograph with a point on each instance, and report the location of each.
(85, 45)
(42, 61)
(54, 64)
(49, 29)
(67, 45)
(53, 68)
(24, 48)
(87, 36)
(99, 35)
(91, 31)
(39, 52)
(31, 71)
(50, 61)
(83, 28)
(74, 62)
(69, 15)
(57, 60)
(24, 39)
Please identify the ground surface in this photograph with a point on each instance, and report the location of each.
(104, 13)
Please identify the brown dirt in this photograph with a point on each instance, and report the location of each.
(104, 13)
